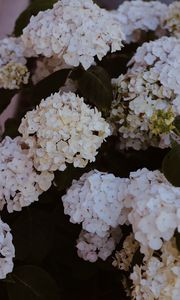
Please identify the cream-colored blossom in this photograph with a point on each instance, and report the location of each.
(13, 75)
(172, 20)
(159, 276)
(75, 31)
(61, 130)
(96, 201)
(136, 16)
(7, 251)
(20, 184)
(124, 257)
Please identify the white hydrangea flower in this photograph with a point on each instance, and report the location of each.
(75, 30)
(13, 71)
(91, 246)
(63, 129)
(96, 201)
(172, 20)
(147, 98)
(137, 15)
(20, 184)
(7, 251)
(11, 50)
(155, 208)
(159, 277)
(13, 75)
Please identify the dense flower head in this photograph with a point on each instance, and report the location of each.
(137, 15)
(172, 20)
(96, 201)
(147, 98)
(13, 75)
(90, 246)
(75, 30)
(20, 184)
(11, 50)
(63, 129)
(159, 276)
(7, 251)
(155, 208)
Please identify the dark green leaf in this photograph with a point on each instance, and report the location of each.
(50, 84)
(95, 86)
(33, 234)
(64, 179)
(5, 98)
(32, 10)
(177, 237)
(32, 283)
(11, 128)
(171, 166)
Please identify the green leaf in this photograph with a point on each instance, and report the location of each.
(48, 85)
(63, 179)
(171, 166)
(32, 283)
(11, 128)
(95, 86)
(177, 237)
(5, 98)
(33, 234)
(32, 10)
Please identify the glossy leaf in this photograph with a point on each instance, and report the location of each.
(32, 283)
(5, 98)
(171, 166)
(95, 86)
(48, 85)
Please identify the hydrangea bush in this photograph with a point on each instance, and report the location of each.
(90, 162)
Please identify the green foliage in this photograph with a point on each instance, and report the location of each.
(5, 98)
(48, 85)
(33, 9)
(95, 86)
(32, 283)
(171, 166)
(33, 233)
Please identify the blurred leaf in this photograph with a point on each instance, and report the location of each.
(64, 179)
(11, 127)
(177, 237)
(5, 98)
(33, 234)
(32, 283)
(171, 166)
(32, 10)
(95, 86)
(48, 85)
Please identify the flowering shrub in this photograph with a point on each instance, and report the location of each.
(90, 162)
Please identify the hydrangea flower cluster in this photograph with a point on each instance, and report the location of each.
(172, 20)
(96, 201)
(20, 184)
(137, 15)
(13, 75)
(91, 246)
(159, 277)
(76, 31)
(7, 251)
(63, 129)
(147, 98)
(155, 208)
(13, 72)
(124, 257)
